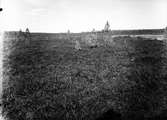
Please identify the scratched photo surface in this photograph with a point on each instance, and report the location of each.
(83, 59)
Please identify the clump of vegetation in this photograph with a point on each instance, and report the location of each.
(77, 45)
(91, 40)
(165, 33)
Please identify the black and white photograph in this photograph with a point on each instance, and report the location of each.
(83, 59)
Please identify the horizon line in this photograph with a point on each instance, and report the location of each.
(88, 31)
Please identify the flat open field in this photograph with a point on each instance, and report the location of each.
(50, 80)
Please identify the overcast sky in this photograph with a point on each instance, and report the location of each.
(82, 15)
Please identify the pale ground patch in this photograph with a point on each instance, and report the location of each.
(158, 37)
(1, 118)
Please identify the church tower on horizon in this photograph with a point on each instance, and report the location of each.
(107, 27)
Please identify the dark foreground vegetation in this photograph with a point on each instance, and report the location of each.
(50, 80)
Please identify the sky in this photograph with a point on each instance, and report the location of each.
(82, 15)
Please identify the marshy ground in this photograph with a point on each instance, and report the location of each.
(50, 80)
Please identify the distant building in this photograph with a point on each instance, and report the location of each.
(107, 27)
(27, 30)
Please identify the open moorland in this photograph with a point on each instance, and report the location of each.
(51, 80)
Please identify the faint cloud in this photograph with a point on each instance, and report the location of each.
(38, 12)
(41, 3)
